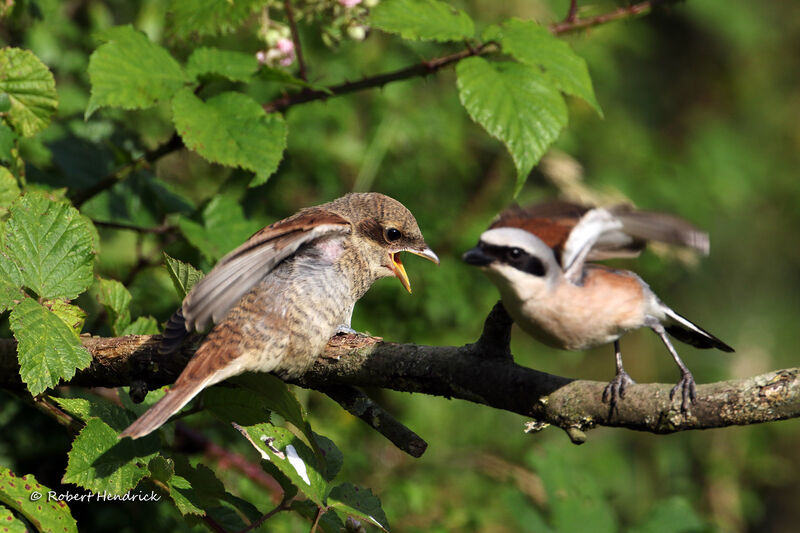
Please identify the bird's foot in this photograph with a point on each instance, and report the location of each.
(616, 388)
(344, 329)
(688, 391)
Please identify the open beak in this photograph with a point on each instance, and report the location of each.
(400, 271)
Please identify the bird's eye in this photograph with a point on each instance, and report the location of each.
(392, 234)
(515, 253)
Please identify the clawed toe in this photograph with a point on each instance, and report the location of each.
(344, 329)
(688, 391)
(616, 389)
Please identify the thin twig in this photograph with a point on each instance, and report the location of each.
(573, 11)
(630, 11)
(158, 230)
(283, 506)
(298, 48)
(65, 419)
(423, 68)
(320, 512)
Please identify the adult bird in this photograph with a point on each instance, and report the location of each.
(537, 257)
(279, 297)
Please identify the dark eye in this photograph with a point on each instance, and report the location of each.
(515, 253)
(392, 234)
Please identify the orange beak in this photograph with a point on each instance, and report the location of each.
(400, 271)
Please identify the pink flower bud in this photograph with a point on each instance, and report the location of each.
(286, 45)
(349, 3)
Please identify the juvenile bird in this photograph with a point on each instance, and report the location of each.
(279, 297)
(536, 258)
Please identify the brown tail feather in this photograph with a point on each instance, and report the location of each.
(171, 403)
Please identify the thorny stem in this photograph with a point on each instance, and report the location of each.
(577, 24)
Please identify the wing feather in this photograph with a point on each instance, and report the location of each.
(236, 273)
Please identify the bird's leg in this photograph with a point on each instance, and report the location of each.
(686, 384)
(344, 328)
(616, 387)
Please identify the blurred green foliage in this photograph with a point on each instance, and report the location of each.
(701, 104)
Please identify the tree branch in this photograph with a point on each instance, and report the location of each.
(358, 404)
(472, 375)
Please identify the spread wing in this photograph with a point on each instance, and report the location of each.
(236, 273)
(578, 233)
(623, 231)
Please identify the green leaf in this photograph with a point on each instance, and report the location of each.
(141, 201)
(47, 247)
(198, 491)
(236, 405)
(9, 191)
(132, 72)
(673, 515)
(277, 397)
(163, 470)
(422, 20)
(515, 104)
(209, 17)
(72, 315)
(47, 516)
(291, 456)
(5, 102)
(534, 45)
(224, 227)
(144, 325)
(116, 300)
(31, 89)
(348, 499)
(183, 275)
(94, 406)
(289, 488)
(332, 454)
(9, 522)
(7, 138)
(100, 461)
(236, 66)
(48, 349)
(9, 295)
(231, 129)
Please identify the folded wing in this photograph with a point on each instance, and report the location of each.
(236, 273)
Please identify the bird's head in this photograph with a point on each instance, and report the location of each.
(516, 261)
(384, 228)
